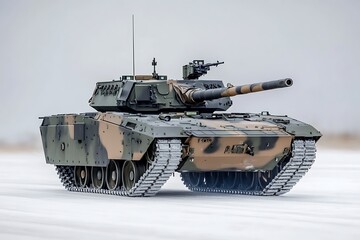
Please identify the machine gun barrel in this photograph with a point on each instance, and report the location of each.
(195, 95)
(212, 64)
(197, 68)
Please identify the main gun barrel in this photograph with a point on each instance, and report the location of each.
(196, 96)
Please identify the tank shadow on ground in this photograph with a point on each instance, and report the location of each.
(184, 193)
(170, 193)
(178, 193)
(290, 197)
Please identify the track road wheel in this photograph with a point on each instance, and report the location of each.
(230, 179)
(196, 179)
(247, 180)
(211, 179)
(113, 175)
(81, 176)
(98, 177)
(131, 173)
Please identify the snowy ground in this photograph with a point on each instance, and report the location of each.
(324, 205)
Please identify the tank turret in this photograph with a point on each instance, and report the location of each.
(155, 93)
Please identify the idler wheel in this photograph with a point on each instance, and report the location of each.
(131, 173)
(81, 176)
(98, 177)
(113, 175)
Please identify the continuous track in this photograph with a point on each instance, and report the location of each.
(166, 160)
(168, 156)
(303, 156)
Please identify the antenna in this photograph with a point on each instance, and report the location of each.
(154, 74)
(133, 45)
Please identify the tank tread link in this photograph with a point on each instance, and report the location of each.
(167, 158)
(282, 179)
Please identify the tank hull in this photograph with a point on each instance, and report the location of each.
(92, 144)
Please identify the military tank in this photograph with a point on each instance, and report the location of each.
(146, 127)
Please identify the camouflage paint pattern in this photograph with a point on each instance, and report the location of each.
(210, 144)
(237, 153)
(152, 96)
(191, 95)
(132, 113)
(90, 140)
(240, 146)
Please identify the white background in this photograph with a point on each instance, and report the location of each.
(53, 52)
